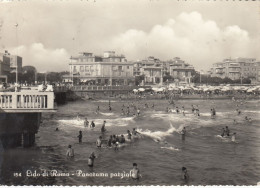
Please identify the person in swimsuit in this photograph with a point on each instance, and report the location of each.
(185, 175)
(135, 172)
(91, 159)
(99, 142)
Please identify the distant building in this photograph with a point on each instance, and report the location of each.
(102, 70)
(14, 61)
(4, 67)
(258, 71)
(236, 69)
(180, 71)
(152, 69)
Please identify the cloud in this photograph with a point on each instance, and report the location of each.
(197, 41)
(44, 59)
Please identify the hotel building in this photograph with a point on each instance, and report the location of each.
(109, 69)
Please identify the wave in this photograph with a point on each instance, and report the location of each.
(117, 122)
(158, 136)
(170, 148)
(105, 101)
(107, 114)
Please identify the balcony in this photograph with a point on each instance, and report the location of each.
(27, 101)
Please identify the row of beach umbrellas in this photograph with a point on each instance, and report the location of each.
(204, 88)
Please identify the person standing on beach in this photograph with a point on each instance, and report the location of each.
(70, 152)
(80, 136)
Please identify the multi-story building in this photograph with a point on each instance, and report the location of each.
(152, 69)
(258, 71)
(180, 71)
(235, 69)
(4, 67)
(102, 70)
(137, 68)
(15, 62)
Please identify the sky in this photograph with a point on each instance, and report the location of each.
(199, 32)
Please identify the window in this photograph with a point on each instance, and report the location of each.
(74, 69)
(120, 68)
(127, 67)
(86, 69)
(81, 68)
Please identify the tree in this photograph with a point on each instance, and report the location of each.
(168, 77)
(139, 79)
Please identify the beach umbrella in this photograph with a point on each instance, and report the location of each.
(141, 89)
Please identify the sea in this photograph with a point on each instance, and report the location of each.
(160, 151)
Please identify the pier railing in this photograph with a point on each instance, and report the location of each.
(27, 100)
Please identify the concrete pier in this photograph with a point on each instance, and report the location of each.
(20, 116)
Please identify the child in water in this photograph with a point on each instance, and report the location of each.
(91, 159)
(135, 172)
(233, 138)
(70, 152)
(185, 175)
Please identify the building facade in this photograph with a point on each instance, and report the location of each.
(236, 69)
(4, 67)
(109, 69)
(180, 71)
(152, 69)
(15, 61)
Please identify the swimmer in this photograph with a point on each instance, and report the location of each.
(80, 136)
(70, 152)
(185, 175)
(103, 129)
(122, 112)
(138, 112)
(134, 132)
(214, 112)
(235, 121)
(92, 125)
(99, 142)
(91, 159)
(57, 129)
(183, 133)
(122, 139)
(109, 108)
(177, 109)
(135, 172)
(153, 105)
(97, 109)
(227, 131)
(129, 135)
(192, 108)
(113, 139)
(223, 132)
(233, 138)
(248, 119)
(86, 122)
